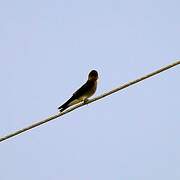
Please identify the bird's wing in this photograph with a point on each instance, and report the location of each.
(77, 95)
(83, 89)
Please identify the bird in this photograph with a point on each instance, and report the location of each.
(83, 93)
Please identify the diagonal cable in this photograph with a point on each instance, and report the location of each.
(50, 118)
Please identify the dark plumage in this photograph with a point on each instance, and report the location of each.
(84, 92)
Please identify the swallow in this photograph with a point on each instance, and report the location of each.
(84, 92)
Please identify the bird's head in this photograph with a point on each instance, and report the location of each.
(93, 75)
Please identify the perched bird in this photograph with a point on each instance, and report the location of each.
(84, 92)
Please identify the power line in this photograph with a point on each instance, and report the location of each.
(50, 118)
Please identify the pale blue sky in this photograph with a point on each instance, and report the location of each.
(47, 48)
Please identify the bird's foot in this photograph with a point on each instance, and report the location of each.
(86, 101)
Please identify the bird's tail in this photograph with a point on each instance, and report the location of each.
(65, 105)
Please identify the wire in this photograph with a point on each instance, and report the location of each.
(50, 118)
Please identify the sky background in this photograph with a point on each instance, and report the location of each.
(48, 47)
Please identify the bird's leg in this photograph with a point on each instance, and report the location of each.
(86, 101)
